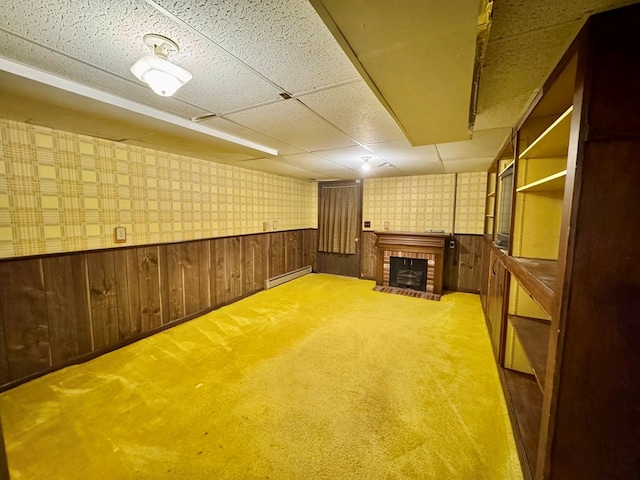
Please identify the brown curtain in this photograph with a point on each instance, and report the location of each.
(338, 219)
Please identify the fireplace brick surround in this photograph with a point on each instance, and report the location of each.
(428, 246)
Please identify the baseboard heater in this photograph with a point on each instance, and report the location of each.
(286, 277)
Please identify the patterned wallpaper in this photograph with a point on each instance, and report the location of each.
(470, 200)
(425, 202)
(64, 192)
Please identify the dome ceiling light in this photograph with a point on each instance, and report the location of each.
(155, 70)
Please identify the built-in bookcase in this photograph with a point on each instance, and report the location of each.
(541, 159)
(541, 166)
(490, 204)
(566, 299)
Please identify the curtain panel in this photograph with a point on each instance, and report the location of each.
(338, 219)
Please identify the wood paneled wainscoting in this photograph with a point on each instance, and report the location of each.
(61, 309)
(462, 264)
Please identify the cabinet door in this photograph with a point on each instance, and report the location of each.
(495, 302)
(484, 275)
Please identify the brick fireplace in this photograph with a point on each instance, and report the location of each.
(409, 245)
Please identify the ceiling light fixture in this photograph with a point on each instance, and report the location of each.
(155, 70)
(365, 164)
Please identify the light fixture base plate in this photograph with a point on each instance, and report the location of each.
(162, 46)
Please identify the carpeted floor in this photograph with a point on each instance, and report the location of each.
(320, 378)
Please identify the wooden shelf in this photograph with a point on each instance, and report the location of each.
(552, 182)
(524, 400)
(503, 171)
(537, 277)
(554, 140)
(533, 334)
(491, 194)
(489, 216)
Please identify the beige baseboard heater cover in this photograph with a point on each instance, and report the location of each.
(286, 277)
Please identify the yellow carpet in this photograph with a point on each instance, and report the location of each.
(320, 378)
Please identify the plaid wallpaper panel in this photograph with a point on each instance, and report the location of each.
(413, 204)
(425, 202)
(62, 192)
(470, 201)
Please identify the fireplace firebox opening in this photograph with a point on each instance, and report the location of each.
(408, 273)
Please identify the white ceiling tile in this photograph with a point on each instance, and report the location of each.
(423, 169)
(382, 170)
(351, 157)
(227, 126)
(484, 143)
(221, 85)
(468, 165)
(104, 34)
(354, 109)
(310, 161)
(400, 151)
(284, 40)
(276, 166)
(292, 123)
(343, 174)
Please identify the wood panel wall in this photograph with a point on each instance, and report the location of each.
(462, 264)
(61, 309)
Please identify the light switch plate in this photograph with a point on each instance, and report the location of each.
(120, 234)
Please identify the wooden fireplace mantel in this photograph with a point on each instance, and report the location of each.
(412, 242)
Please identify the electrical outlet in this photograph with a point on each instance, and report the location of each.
(367, 224)
(120, 234)
(265, 226)
(275, 225)
(386, 225)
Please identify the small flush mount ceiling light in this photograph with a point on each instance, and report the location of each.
(365, 164)
(155, 70)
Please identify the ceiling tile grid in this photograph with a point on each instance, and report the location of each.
(351, 157)
(245, 53)
(355, 110)
(291, 122)
(311, 162)
(284, 40)
(232, 128)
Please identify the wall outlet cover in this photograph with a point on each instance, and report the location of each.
(120, 234)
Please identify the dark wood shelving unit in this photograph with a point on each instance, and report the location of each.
(533, 334)
(537, 277)
(524, 400)
(576, 416)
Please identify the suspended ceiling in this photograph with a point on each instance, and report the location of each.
(388, 80)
